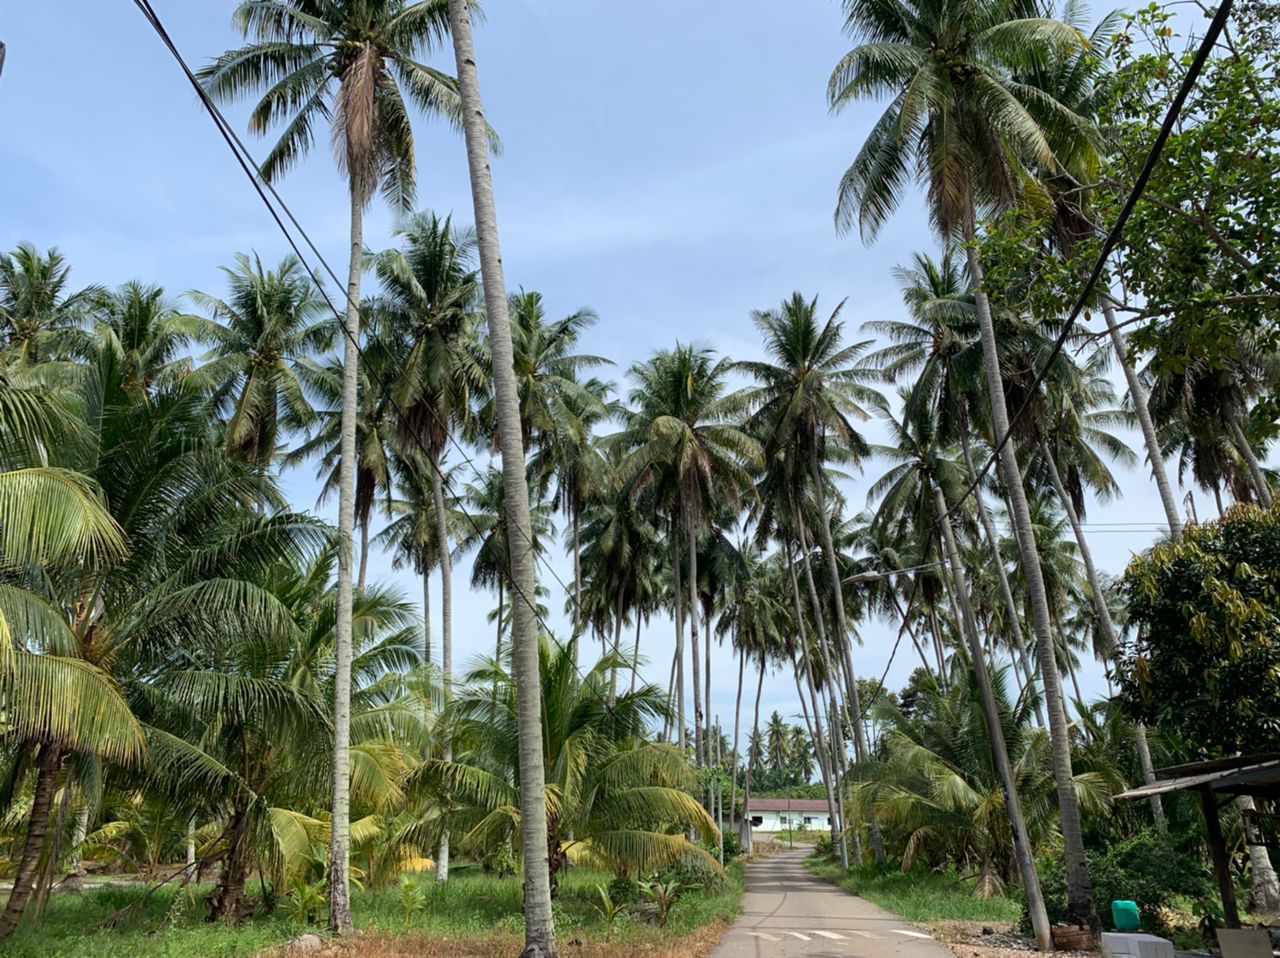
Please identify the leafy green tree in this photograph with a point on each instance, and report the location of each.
(1203, 660)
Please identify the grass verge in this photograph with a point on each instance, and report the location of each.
(474, 914)
(919, 896)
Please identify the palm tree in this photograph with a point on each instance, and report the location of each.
(808, 396)
(687, 452)
(540, 935)
(107, 626)
(269, 321)
(571, 457)
(488, 532)
(375, 434)
(777, 748)
(937, 784)
(40, 319)
(147, 333)
(350, 62)
(956, 109)
(613, 799)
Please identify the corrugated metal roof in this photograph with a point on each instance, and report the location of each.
(786, 804)
(1230, 778)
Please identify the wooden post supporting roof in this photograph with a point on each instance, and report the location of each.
(1218, 850)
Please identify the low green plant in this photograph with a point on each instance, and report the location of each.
(305, 902)
(411, 897)
(609, 910)
(663, 896)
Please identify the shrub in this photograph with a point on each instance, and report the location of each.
(1145, 869)
(823, 847)
(625, 890)
(732, 847)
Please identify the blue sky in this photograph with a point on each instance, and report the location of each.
(672, 165)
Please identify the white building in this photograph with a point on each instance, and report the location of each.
(771, 815)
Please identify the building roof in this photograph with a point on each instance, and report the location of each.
(1243, 775)
(786, 804)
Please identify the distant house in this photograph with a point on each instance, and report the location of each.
(781, 814)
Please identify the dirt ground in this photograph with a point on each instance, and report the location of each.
(696, 945)
(975, 939)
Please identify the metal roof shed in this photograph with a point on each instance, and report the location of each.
(1219, 782)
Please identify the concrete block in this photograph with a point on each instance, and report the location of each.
(1135, 944)
(1149, 946)
(1244, 942)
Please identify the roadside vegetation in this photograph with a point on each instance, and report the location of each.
(204, 686)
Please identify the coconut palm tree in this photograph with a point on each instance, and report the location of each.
(686, 452)
(104, 624)
(376, 424)
(269, 320)
(353, 63)
(807, 395)
(147, 332)
(613, 799)
(41, 320)
(957, 115)
(540, 935)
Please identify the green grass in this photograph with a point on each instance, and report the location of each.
(919, 895)
(470, 905)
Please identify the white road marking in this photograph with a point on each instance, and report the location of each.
(796, 934)
(765, 936)
(863, 934)
(829, 934)
(912, 934)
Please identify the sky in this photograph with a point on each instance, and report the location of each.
(672, 165)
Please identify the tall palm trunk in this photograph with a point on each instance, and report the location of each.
(853, 697)
(1110, 638)
(815, 731)
(1245, 449)
(340, 840)
(426, 615)
(1002, 577)
(1080, 903)
(737, 727)
(24, 878)
(751, 763)
(577, 572)
(364, 554)
(446, 628)
(839, 756)
(1138, 396)
(540, 934)
(699, 740)
(706, 680)
(1264, 895)
(999, 750)
(844, 641)
(814, 725)
(678, 661)
(635, 655)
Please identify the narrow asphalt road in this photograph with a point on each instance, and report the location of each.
(789, 912)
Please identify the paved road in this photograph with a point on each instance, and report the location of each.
(789, 912)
